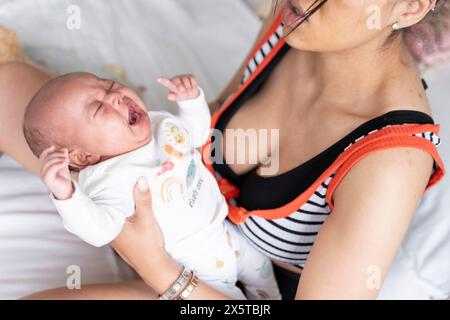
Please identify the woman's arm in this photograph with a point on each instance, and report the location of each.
(160, 272)
(18, 83)
(374, 205)
(141, 245)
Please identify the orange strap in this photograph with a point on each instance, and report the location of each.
(391, 137)
(389, 142)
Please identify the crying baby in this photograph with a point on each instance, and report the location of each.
(102, 130)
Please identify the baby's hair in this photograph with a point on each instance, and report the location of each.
(35, 140)
(38, 133)
(35, 137)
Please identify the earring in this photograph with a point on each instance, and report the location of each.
(396, 26)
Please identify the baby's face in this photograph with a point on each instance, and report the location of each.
(106, 118)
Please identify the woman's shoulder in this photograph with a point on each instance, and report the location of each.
(388, 172)
(392, 144)
(407, 92)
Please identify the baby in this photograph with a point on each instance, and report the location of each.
(101, 129)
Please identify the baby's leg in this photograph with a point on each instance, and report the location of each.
(214, 261)
(255, 270)
(216, 268)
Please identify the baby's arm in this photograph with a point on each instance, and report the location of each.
(55, 172)
(194, 110)
(96, 224)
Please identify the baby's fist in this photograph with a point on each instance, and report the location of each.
(55, 172)
(184, 87)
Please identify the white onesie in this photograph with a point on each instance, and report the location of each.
(187, 203)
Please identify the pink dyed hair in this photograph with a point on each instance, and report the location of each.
(429, 41)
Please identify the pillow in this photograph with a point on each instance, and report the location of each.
(9, 46)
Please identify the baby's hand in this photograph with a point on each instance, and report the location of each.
(55, 172)
(184, 87)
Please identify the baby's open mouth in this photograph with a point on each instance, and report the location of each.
(134, 113)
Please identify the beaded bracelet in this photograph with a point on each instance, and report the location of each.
(177, 285)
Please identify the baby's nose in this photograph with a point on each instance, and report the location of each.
(117, 100)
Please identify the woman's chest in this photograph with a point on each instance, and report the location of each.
(288, 129)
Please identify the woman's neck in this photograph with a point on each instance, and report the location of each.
(355, 75)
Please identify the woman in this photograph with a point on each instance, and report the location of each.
(357, 148)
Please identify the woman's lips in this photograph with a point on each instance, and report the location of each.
(292, 13)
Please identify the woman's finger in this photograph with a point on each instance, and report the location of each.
(142, 196)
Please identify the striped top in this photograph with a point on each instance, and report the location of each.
(262, 52)
(282, 216)
(290, 239)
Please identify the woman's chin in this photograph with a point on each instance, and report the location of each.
(299, 41)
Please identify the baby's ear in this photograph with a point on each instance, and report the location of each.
(80, 159)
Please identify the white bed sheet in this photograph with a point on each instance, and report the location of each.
(130, 40)
(35, 250)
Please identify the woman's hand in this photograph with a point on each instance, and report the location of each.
(141, 235)
(141, 243)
